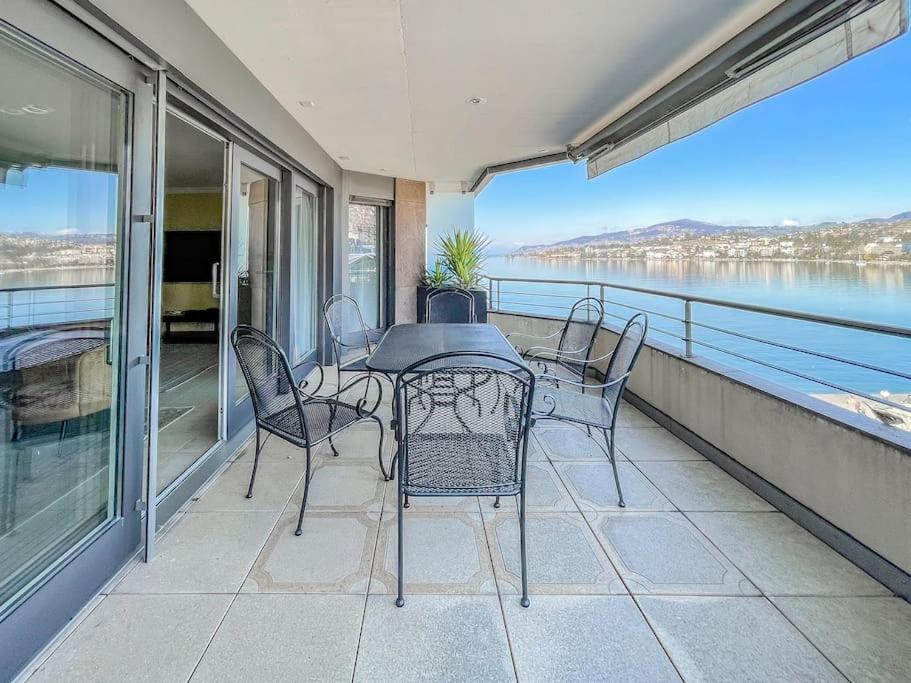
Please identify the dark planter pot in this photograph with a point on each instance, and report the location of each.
(451, 310)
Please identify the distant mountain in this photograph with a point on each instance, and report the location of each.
(686, 227)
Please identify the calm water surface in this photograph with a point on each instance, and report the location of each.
(875, 293)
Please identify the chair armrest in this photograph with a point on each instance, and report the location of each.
(303, 385)
(556, 380)
(362, 402)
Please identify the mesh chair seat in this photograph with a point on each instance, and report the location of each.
(571, 405)
(479, 468)
(323, 418)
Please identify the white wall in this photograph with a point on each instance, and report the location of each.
(446, 211)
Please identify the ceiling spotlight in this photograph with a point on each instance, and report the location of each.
(476, 100)
(343, 157)
(307, 104)
(543, 150)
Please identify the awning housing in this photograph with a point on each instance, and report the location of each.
(797, 42)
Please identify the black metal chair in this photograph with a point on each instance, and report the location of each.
(352, 341)
(283, 408)
(469, 443)
(575, 341)
(595, 410)
(460, 300)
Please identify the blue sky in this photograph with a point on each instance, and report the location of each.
(60, 201)
(838, 147)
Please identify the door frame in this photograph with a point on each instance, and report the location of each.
(239, 414)
(32, 619)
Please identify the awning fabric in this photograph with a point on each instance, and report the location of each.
(864, 32)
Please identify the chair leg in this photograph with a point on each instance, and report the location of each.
(400, 600)
(525, 601)
(613, 462)
(259, 447)
(300, 517)
(379, 423)
(496, 502)
(335, 452)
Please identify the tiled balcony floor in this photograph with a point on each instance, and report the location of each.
(697, 578)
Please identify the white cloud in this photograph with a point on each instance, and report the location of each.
(67, 231)
(790, 223)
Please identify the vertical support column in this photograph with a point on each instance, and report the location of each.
(410, 246)
(151, 491)
(688, 327)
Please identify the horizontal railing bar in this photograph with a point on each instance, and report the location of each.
(753, 308)
(816, 354)
(37, 288)
(809, 378)
(644, 310)
(555, 296)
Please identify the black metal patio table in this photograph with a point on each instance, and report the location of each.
(407, 343)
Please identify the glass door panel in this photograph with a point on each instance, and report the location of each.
(255, 211)
(63, 136)
(364, 258)
(191, 307)
(304, 308)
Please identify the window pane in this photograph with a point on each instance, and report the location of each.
(62, 138)
(363, 260)
(303, 274)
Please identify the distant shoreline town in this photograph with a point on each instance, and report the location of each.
(876, 240)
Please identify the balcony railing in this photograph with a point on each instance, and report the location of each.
(867, 364)
(47, 305)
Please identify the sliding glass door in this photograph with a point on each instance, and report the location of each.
(303, 270)
(365, 259)
(73, 315)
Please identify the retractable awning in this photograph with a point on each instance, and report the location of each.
(796, 42)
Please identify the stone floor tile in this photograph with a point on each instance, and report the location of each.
(584, 638)
(662, 552)
(734, 639)
(571, 444)
(544, 491)
(285, 638)
(443, 554)
(702, 486)
(592, 486)
(333, 555)
(564, 557)
(207, 552)
(869, 639)
(137, 638)
(275, 481)
(653, 444)
(342, 485)
(434, 638)
(782, 558)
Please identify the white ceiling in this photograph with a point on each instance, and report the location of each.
(390, 79)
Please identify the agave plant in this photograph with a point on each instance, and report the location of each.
(437, 276)
(463, 254)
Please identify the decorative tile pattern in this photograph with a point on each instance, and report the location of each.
(563, 555)
(443, 554)
(333, 555)
(702, 486)
(592, 486)
(274, 484)
(781, 557)
(572, 444)
(342, 485)
(544, 491)
(662, 552)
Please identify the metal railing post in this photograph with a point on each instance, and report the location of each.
(688, 327)
(588, 308)
(490, 294)
(499, 303)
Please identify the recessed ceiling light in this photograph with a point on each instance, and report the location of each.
(476, 100)
(343, 158)
(543, 150)
(307, 104)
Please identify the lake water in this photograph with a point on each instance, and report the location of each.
(874, 293)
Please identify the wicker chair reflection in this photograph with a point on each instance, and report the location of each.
(567, 352)
(284, 409)
(595, 410)
(472, 444)
(461, 301)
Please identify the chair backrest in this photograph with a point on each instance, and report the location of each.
(461, 301)
(462, 422)
(276, 402)
(577, 339)
(347, 329)
(624, 357)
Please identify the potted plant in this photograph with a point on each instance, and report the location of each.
(460, 264)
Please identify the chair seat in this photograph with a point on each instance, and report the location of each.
(571, 405)
(357, 365)
(321, 422)
(460, 464)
